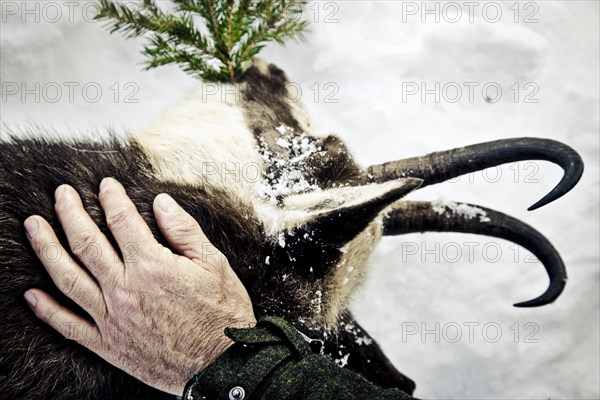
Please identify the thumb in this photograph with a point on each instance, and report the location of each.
(181, 230)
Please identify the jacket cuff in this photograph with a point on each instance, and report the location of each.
(255, 354)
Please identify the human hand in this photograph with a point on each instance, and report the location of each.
(158, 316)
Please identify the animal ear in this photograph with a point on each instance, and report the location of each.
(339, 214)
(319, 224)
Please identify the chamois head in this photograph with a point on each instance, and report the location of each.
(321, 214)
(319, 210)
(295, 215)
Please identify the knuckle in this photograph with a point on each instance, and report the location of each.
(82, 334)
(181, 226)
(68, 283)
(83, 243)
(70, 330)
(132, 253)
(48, 251)
(90, 337)
(126, 302)
(118, 217)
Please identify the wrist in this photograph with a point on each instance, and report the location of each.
(219, 345)
(245, 365)
(223, 342)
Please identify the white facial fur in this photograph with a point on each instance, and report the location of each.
(205, 140)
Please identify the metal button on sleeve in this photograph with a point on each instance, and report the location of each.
(237, 393)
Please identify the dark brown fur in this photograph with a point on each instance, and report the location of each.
(36, 362)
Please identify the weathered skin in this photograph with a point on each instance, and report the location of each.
(300, 256)
(296, 217)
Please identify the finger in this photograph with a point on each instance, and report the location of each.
(69, 278)
(181, 230)
(86, 240)
(125, 223)
(63, 320)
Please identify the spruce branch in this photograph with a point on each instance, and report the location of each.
(236, 30)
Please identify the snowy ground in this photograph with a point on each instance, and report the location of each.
(441, 311)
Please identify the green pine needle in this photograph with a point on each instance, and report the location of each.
(236, 30)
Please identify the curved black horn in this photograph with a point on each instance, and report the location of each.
(418, 216)
(440, 166)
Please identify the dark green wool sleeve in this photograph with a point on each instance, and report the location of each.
(274, 361)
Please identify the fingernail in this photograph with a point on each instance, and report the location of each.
(105, 182)
(30, 299)
(59, 192)
(31, 226)
(166, 203)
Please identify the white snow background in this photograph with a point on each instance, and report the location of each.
(443, 315)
